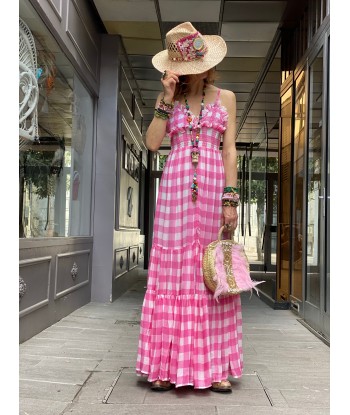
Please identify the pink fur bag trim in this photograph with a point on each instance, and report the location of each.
(222, 286)
(240, 270)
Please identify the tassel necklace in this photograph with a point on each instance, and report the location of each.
(195, 141)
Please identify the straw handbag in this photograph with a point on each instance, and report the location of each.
(226, 268)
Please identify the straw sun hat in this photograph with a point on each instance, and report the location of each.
(189, 52)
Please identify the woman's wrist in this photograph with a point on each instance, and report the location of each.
(164, 110)
(230, 196)
(168, 98)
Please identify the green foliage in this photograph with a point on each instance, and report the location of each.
(162, 160)
(36, 166)
(258, 188)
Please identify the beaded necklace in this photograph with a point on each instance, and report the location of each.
(195, 149)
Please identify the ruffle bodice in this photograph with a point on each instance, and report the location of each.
(213, 123)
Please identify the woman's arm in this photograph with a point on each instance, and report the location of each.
(229, 155)
(157, 129)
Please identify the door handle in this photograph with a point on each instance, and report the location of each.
(323, 197)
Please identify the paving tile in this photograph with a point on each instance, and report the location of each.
(291, 367)
(130, 389)
(103, 346)
(35, 350)
(276, 398)
(130, 409)
(91, 346)
(29, 406)
(64, 352)
(28, 361)
(51, 391)
(293, 347)
(131, 384)
(251, 368)
(297, 380)
(258, 410)
(306, 398)
(262, 330)
(247, 381)
(43, 342)
(248, 348)
(190, 396)
(288, 338)
(87, 322)
(94, 310)
(62, 331)
(73, 333)
(59, 375)
(121, 345)
(96, 387)
(64, 363)
(123, 360)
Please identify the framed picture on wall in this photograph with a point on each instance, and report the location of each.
(131, 161)
(136, 170)
(125, 154)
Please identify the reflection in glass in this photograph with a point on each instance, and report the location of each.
(315, 192)
(285, 196)
(55, 174)
(298, 183)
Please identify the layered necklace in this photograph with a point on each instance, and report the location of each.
(194, 140)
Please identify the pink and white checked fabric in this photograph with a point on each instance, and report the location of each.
(186, 336)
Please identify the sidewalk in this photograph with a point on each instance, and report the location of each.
(84, 365)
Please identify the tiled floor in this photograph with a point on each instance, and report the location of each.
(85, 363)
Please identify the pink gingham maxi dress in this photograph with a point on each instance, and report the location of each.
(186, 336)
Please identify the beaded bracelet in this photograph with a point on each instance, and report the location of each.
(230, 203)
(160, 113)
(230, 199)
(230, 189)
(228, 196)
(165, 106)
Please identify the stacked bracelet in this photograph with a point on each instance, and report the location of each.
(230, 197)
(166, 106)
(164, 110)
(160, 113)
(230, 189)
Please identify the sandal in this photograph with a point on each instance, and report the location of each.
(161, 386)
(223, 387)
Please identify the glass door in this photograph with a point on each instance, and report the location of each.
(257, 224)
(317, 202)
(284, 197)
(297, 231)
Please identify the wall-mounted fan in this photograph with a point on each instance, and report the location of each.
(28, 87)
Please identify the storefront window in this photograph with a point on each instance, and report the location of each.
(55, 173)
(315, 192)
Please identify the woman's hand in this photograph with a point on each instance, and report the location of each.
(229, 217)
(169, 80)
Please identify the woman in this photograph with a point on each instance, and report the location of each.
(187, 337)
